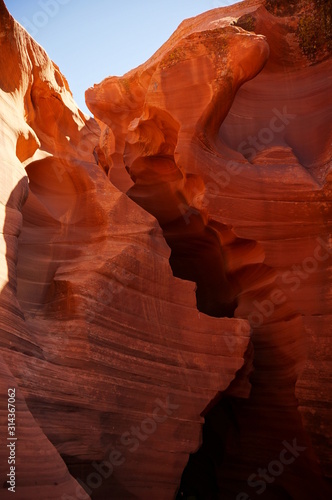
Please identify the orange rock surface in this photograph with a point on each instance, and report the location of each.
(167, 264)
(111, 360)
(224, 135)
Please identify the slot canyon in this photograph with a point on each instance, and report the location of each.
(165, 305)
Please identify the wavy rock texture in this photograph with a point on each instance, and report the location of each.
(224, 136)
(112, 361)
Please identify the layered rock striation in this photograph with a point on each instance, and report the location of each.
(166, 267)
(224, 136)
(111, 360)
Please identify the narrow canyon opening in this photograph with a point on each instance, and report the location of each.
(196, 255)
(222, 138)
(240, 434)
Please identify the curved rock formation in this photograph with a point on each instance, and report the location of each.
(111, 360)
(168, 263)
(224, 135)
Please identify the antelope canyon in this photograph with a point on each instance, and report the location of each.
(166, 266)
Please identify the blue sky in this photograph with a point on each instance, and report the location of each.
(92, 39)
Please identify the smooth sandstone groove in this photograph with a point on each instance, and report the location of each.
(167, 261)
(224, 135)
(100, 339)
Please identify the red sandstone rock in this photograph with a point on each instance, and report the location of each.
(98, 336)
(226, 137)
